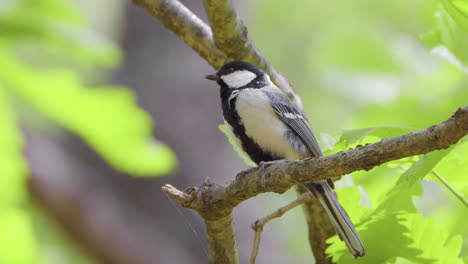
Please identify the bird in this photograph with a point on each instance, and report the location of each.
(267, 126)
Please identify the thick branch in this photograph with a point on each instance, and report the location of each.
(231, 37)
(222, 240)
(219, 229)
(186, 25)
(278, 177)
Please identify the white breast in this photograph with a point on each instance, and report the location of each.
(262, 124)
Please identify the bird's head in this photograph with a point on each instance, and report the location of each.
(239, 74)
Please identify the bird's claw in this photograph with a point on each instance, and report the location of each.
(265, 164)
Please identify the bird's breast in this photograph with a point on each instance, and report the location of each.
(262, 124)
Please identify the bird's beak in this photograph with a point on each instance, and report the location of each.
(212, 77)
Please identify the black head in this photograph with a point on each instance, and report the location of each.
(239, 74)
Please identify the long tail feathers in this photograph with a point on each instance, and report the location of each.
(338, 217)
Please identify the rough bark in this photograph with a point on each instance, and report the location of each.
(279, 176)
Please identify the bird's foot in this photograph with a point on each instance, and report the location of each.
(265, 164)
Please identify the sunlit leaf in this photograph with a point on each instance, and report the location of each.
(235, 146)
(17, 241)
(106, 118)
(385, 238)
(350, 137)
(454, 167)
(57, 29)
(12, 166)
(349, 198)
(434, 241)
(449, 38)
(399, 198)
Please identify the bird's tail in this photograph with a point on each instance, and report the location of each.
(338, 217)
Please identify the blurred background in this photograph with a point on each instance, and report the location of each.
(100, 106)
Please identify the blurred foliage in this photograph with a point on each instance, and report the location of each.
(45, 50)
(15, 223)
(375, 70)
(236, 146)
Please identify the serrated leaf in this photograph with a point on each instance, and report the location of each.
(108, 119)
(385, 238)
(433, 240)
(399, 198)
(396, 203)
(236, 146)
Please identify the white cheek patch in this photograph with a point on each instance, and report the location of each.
(238, 78)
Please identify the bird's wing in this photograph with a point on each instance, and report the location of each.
(294, 120)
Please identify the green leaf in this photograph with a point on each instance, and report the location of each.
(399, 198)
(349, 198)
(17, 242)
(350, 137)
(57, 29)
(385, 238)
(236, 146)
(107, 118)
(12, 166)
(454, 167)
(458, 10)
(377, 182)
(433, 239)
(449, 38)
(395, 204)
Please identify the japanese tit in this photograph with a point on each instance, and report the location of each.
(269, 127)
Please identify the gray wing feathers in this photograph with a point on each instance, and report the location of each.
(294, 120)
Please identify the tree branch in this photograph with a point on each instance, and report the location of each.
(196, 34)
(230, 35)
(219, 228)
(260, 223)
(278, 177)
(186, 25)
(457, 194)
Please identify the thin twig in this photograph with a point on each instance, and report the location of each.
(231, 36)
(260, 223)
(457, 194)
